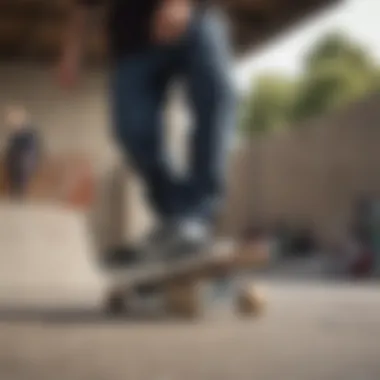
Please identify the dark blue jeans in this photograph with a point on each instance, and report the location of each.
(20, 170)
(139, 84)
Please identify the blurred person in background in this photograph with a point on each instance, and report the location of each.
(22, 150)
(151, 43)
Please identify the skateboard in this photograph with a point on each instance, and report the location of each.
(183, 287)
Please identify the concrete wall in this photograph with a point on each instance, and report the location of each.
(313, 173)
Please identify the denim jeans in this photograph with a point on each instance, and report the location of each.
(20, 171)
(139, 83)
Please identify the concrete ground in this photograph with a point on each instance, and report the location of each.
(313, 330)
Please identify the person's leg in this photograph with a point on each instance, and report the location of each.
(29, 163)
(16, 179)
(205, 62)
(138, 88)
(208, 72)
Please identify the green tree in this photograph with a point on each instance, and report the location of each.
(338, 47)
(337, 72)
(329, 88)
(377, 80)
(269, 104)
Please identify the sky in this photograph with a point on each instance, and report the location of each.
(359, 19)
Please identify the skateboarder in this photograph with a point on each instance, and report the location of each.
(23, 150)
(152, 43)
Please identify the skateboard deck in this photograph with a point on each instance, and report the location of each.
(178, 282)
(218, 256)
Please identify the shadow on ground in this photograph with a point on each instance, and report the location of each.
(78, 316)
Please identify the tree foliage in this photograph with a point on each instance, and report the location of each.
(329, 87)
(337, 71)
(269, 106)
(337, 47)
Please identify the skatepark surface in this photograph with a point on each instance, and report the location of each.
(52, 325)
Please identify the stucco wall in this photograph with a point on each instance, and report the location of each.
(313, 173)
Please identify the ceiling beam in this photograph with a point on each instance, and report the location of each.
(32, 29)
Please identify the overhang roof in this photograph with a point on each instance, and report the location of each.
(32, 29)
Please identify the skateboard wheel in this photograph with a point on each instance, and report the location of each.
(116, 303)
(182, 300)
(250, 302)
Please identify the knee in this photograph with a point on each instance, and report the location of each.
(219, 88)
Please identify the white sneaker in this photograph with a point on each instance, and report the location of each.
(189, 238)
